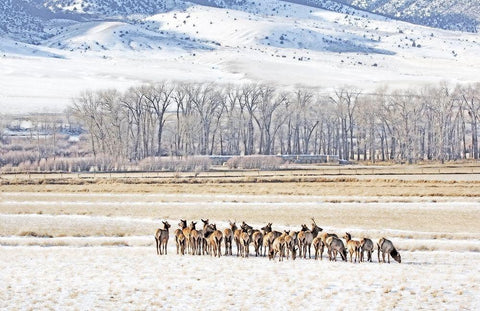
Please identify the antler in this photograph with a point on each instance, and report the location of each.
(313, 219)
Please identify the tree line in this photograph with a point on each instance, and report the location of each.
(437, 122)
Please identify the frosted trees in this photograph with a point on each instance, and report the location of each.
(470, 96)
(184, 119)
(345, 101)
(158, 98)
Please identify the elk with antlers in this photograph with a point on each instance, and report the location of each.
(305, 238)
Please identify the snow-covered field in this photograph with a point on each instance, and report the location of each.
(136, 278)
(99, 254)
(275, 42)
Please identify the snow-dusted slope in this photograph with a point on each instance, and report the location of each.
(447, 14)
(231, 41)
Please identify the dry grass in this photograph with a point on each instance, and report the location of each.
(331, 199)
(259, 186)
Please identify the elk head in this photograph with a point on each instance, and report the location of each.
(182, 224)
(245, 227)
(396, 255)
(166, 225)
(267, 228)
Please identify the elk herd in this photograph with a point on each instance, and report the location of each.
(208, 240)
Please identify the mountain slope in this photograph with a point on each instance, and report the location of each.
(446, 14)
(271, 41)
(26, 20)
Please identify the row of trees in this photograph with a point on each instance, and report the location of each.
(169, 118)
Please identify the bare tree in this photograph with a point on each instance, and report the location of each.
(158, 98)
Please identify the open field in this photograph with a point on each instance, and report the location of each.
(83, 242)
(136, 278)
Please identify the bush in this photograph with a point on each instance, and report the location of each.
(255, 162)
(171, 164)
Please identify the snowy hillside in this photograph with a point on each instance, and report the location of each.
(25, 19)
(447, 14)
(93, 44)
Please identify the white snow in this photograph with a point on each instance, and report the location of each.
(136, 278)
(289, 46)
(108, 261)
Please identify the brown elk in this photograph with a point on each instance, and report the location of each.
(236, 237)
(335, 245)
(386, 247)
(161, 238)
(353, 246)
(202, 244)
(228, 238)
(318, 246)
(257, 238)
(214, 240)
(366, 245)
(320, 242)
(186, 232)
(278, 247)
(244, 243)
(180, 241)
(305, 238)
(289, 244)
(268, 237)
(194, 239)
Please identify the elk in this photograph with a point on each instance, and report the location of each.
(289, 244)
(202, 244)
(335, 245)
(268, 237)
(294, 235)
(320, 242)
(268, 228)
(257, 238)
(278, 247)
(244, 243)
(236, 237)
(214, 240)
(366, 245)
(228, 236)
(180, 241)
(353, 246)
(318, 246)
(161, 238)
(194, 238)
(186, 232)
(386, 247)
(305, 238)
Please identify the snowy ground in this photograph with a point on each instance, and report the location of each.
(96, 251)
(136, 278)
